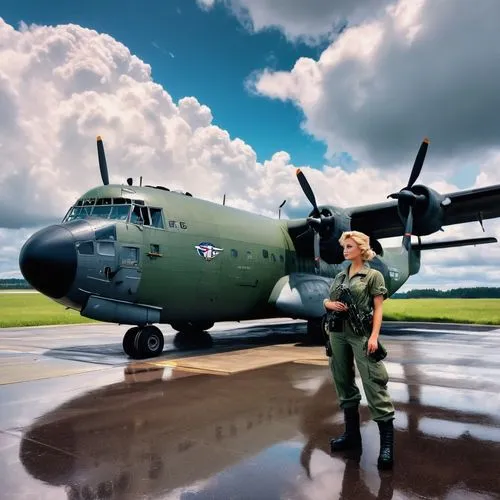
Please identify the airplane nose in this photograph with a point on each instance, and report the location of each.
(48, 261)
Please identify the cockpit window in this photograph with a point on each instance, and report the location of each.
(102, 211)
(117, 209)
(105, 208)
(85, 202)
(78, 213)
(120, 212)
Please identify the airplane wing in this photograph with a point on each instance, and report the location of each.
(381, 220)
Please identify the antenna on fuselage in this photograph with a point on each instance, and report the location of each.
(279, 210)
(140, 181)
(224, 199)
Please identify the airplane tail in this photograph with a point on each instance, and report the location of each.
(409, 253)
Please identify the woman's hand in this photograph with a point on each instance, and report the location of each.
(372, 344)
(335, 305)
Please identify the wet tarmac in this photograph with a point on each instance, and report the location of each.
(248, 418)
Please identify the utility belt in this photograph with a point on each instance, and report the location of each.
(336, 322)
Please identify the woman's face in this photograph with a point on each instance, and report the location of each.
(351, 249)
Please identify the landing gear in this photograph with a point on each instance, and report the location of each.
(187, 341)
(142, 342)
(192, 335)
(192, 326)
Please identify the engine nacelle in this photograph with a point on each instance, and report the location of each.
(335, 222)
(428, 215)
(330, 249)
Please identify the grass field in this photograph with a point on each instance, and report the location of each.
(34, 309)
(480, 311)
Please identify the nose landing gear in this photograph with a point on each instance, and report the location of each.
(142, 342)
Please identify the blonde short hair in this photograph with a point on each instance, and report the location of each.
(363, 242)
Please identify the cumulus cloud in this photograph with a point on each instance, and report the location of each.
(422, 69)
(62, 86)
(310, 22)
(205, 4)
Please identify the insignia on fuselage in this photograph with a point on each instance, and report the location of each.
(207, 250)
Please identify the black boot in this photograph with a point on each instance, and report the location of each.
(386, 458)
(351, 439)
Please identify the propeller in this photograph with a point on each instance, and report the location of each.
(304, 184)
(407, 199)
(102, 161)
(315, 223)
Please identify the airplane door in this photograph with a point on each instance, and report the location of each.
(127, 278)
(208, 257)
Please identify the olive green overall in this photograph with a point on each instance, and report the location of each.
(347, 347)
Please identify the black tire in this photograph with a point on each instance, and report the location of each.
(192, 326)
(189, 341)
(128, 341)
(148, 342)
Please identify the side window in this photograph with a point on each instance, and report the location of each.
(140, 215)
(265, 254)
(249, 255)
(106, 248)
(85, 248)
(234, 253)
(156, 218)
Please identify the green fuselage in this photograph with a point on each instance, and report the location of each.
(252, 253)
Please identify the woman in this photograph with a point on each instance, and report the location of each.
(368, 289)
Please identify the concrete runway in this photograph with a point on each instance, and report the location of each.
(249, 418)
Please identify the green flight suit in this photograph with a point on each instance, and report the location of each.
(347, 347)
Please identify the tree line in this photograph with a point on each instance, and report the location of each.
(454, 293)
(425, 293)
(14, 284)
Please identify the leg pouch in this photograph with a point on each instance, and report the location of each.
(378, 372)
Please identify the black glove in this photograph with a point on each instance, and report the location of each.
(379, 354)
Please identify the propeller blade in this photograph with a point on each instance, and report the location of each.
(408, 229)
(419, 161)
(307, 190)
(102, 161)
(316, 252)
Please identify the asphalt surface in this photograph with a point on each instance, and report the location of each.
(248, 418)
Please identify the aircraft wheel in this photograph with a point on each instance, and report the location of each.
(192, 326)
(148, 342)
(188, 341)
(128, 341)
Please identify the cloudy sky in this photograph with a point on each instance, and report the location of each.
(230, 96)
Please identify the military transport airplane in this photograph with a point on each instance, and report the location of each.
(145, 255)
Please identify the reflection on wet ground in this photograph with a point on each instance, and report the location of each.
(176, 428)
